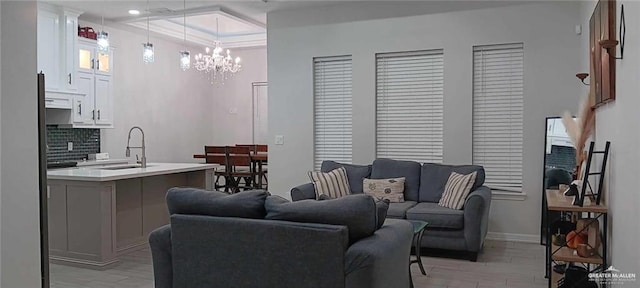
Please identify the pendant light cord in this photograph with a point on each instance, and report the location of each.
(148, 14)
(184, 21)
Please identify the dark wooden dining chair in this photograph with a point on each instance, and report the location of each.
(240, 168)
(218, 155)
(262, 148)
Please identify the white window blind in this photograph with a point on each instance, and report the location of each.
(409, 105)
(332, 109)
(498, 98)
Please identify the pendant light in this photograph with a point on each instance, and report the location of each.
(185, 56)
(103, 39)
(147, 48)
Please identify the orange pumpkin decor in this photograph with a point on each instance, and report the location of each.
(574, 239)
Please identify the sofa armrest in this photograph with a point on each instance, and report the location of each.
(160, 242)
(382, 259)
(302, 192)
(476, 217)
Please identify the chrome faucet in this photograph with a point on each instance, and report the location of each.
(143, 160)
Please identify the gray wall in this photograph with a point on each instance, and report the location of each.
(551, 61)
(617, 122)
(179, 111)
(172, 106)
(232, 110)
(19, 196)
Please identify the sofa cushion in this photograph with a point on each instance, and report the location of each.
(390, 189)
(388, 168)
(399, 210)
(333, 183)
(355, 173)
(457, 189)
(357, 212)
(246, 204)
(437, 216)
(434, 177)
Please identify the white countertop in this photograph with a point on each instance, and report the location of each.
(97, 174)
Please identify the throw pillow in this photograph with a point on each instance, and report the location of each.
(382, 206)
(357, 212)
(457, 189)
(245, 204)
(391, 189)
(333, 183)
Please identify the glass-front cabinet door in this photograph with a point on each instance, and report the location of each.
(103, 63)
(86, 61)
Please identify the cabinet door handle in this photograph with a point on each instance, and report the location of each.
(93, 63)
(69, 78)
(98, 64)
(79, 108)
(48, 100)
(93, 114)
(98, 114)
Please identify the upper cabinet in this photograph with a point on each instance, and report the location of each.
(48, 50)
(78, 78)
(94, 83)
(57, 42)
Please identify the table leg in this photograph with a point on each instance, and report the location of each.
(259, 174)
(417, 248)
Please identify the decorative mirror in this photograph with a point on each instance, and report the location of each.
(559, 164)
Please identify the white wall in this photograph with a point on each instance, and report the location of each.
(551, 61)
(172, 106)
(617, 122)
(19, 190)
(232, 109)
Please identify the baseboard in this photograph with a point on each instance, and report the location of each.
(512, 237)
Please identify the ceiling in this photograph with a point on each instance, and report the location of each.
(242, 23)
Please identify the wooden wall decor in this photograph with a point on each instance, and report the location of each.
(602, 26)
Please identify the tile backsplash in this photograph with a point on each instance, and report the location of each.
(85, 141)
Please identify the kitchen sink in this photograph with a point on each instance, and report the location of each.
(120, 167)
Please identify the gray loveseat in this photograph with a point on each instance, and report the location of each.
(462, 230)
(219, 240)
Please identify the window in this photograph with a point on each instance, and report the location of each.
(498, 96)
(332, 109)
(409, 105)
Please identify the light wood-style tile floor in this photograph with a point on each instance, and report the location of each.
(502, 264)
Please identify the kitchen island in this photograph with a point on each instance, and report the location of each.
(97, 214)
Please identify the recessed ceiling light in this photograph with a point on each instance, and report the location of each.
(134, 12)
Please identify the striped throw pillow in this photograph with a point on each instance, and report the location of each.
(333, 183)
(457, 189)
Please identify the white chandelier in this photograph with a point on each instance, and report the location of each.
(215, 62)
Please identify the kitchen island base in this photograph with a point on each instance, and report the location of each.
(92, 223)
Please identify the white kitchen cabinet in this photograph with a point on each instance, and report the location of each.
(56, 47)
(95, 82)
(86, 87)
(70, 48)
(103, 100)
(92, 106)
(48, 50)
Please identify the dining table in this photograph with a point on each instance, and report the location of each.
(257, 158)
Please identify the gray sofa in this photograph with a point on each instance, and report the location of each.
(462, 230)
(219, 240)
